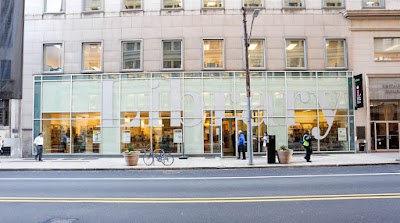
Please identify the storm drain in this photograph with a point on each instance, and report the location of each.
(62, 220)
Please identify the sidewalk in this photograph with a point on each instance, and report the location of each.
(91, 163)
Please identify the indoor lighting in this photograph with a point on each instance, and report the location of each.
(253, 46)
(391, 48)
(206, 47)
(211, 4)
(291, 46)
(127, 120)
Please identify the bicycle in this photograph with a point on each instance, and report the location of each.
(166, 158)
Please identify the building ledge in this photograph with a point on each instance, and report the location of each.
(372, 14)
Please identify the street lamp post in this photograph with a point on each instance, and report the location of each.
(246, 44)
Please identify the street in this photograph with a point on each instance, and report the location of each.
(325, 194)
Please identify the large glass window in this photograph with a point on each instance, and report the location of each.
(332, 3)
(295, 53)
(385, 111)
(86, 134)
(253, 3)
(212, 3)
(92, 5)
(54, 6)
(293, 3)
(213, 54)
(52, 57)
(172, 4)
(256, 54)
(91, 57)
(132, 4)
(172, 54)
(387, 49)
(373, 3)
(4, 112)
(335, 53)
(131, 55)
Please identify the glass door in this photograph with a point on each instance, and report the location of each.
(386, 135)
(381, 135)
(393, 135)
(229, 137)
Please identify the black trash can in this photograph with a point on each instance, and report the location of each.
(271, 149)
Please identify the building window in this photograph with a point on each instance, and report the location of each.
(253, 3)
(131, 55)
(132, 4)
(332, 3)
(172, 54)
(172, 4)
(213, 54)
(91, 54)
(387, 49)
(295, 53)
(4, 112)
(52, 57)
(212, 4)
(373, 3)
(54, 6)
(293, 3)
(5, 70)
(256, 54)
(92, 5)
(335, 53)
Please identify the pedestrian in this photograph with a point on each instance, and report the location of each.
(233, 138)
(241, 145)
(307, 138)
(265, 142)
(64, 143)
(38, 142)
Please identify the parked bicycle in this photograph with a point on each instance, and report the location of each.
(160, 155)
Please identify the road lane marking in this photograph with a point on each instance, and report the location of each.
(188, 178)
(202, 200)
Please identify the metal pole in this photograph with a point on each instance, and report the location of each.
(249, 129)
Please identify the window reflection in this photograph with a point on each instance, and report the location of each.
(213, 54)
(52, 57)
(91, 56)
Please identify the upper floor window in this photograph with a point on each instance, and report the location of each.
(335, 53)
(132, 55)
(296, 53)
(253, 3)
(92, 5)
(293, 3)
(172, 54)
(132, 4)
(373, 3)
(4, 112)
(332, 3)
(54, 6)
(91, 56)
(52, 57)
(172, 4)
(213, 54)
(256, 54)
(387, 49)
(212, 3)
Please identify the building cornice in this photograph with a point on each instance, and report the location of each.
(372, 14)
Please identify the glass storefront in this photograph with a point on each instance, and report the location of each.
(106, 113)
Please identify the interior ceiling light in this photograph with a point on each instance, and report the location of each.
(391, 48)
(253, 46)
(211, 4)
(206, 47)
(291, 46)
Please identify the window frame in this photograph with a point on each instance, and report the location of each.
(333, 7)
(45, 7)
(264, 54)
(127, 10)
(380, 61)
(254, 7)
(62, 57)
(346, 63)
(363, 6)
(293, 7)
(5, 113)
(162, 54)
(122, 55)
(305, 54)
(101, 57)
(223, 54)
(217, 8)
(177, 9)
(92, 11)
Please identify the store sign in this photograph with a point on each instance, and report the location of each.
(391, 88)
(126, 136)
(359, 91)
(384, 88)
(342, 134)
(96, 136)
(178, 136)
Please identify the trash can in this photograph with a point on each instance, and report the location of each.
(271, 149)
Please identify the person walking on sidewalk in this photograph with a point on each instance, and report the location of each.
(265, 140)
(241, 146)
(38, 142)
(307, 138)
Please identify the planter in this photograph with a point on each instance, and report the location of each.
(285, 156)
(131, 158)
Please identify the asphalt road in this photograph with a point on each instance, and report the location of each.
(334, 194)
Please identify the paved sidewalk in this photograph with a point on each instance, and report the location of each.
(91, 163)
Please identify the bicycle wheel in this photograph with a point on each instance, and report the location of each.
(148, 157)
(167, 159)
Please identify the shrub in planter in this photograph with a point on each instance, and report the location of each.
(284, 154)
(131, 156)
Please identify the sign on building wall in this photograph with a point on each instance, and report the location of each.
(11, 44)
(126, 136)
(358, 81)
(384, 88)
(342, 134)
(178, 136)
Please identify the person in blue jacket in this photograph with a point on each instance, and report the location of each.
(241, 145)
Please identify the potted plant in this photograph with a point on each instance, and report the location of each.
(284, 154)
(131, 156)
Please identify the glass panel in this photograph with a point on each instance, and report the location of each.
(85, 135)
(132, 4)
(303, 120)
(381, 134)
(37, 100)
(333, 3)
(256, 54)
(302, 92)
(52, 59)
(332, 137)
(172, 54)
(253, 3)
(212, 3)
(131, 55)
(278, 127)
(135, 98)
(372, 3)
(384, 111)
(56, 136)
(172, 4)
(276, 96)
(335, 54)
(54, 6)
(213, 54)
(86, 96)
(293, 3)
(387, 49)
(56, 96)
(393, 135)
(93, 5)
(373, 136)
(295, 53)
(91, 56)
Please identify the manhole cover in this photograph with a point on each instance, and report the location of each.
(62, 220)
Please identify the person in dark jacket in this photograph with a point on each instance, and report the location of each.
(241, 145)
(307, 139)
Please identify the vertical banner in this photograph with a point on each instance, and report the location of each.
(11, 48)
(358, 82)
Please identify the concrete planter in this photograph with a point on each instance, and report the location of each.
(285, 156)
(131, 158)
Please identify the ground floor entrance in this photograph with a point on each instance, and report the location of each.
(385, 135)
